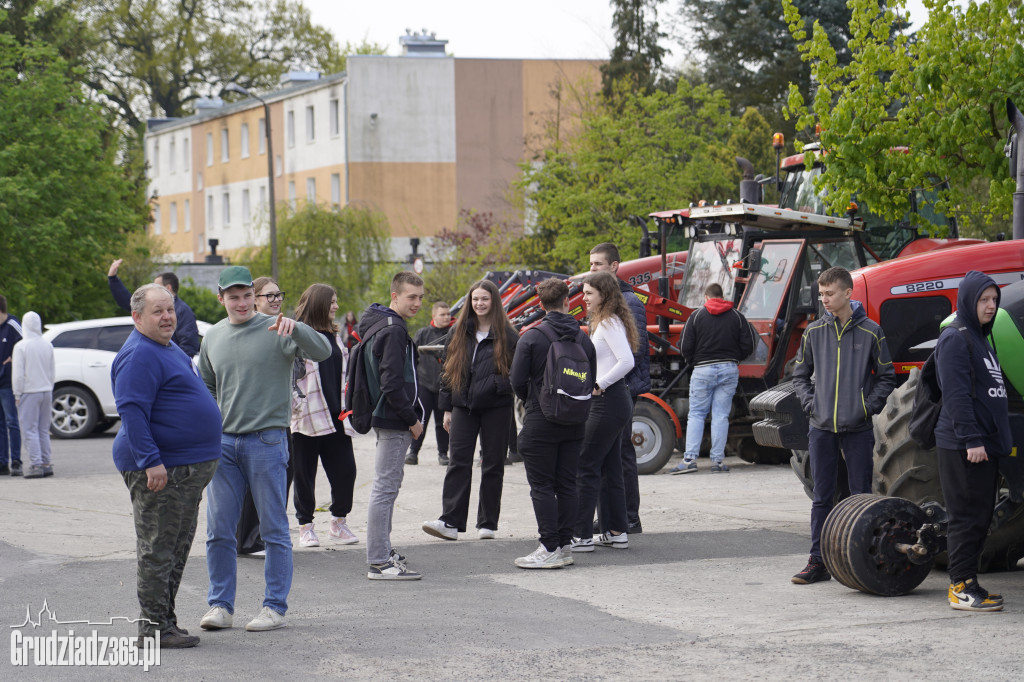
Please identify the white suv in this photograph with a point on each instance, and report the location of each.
(83, 401)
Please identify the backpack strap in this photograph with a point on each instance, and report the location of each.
(957, 325)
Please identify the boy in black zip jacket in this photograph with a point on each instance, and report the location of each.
(972, 431)
(846, 355)
(396, 420)
(428, 372)
(550, 451)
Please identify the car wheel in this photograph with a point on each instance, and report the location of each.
(73, 413)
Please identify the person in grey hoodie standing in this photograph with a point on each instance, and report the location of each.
(845, 354)
(32, 374)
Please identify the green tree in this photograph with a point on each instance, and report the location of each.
(342, 248)
(65, 205)
(637, 55)
(747, 51)
(649, 152)
(941, 94)
(204, 303)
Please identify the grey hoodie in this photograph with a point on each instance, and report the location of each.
(32, 364)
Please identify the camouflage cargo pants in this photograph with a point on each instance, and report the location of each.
(165, 523)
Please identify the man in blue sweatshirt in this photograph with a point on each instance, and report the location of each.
(845, 354)
(10, 429)
(187, 333)
(165, 466)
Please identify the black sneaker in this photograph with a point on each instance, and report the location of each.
(412, 458)
(442, 458)
(635, 528)
(15, 468)
(5, 470)
(47, 470)
(814, 572)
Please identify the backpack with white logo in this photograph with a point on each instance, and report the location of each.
(568, 382)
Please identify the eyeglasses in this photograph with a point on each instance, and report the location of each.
(279, 296)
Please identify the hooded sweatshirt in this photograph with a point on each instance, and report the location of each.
(716, 333)
(527, 372)
(394, 364)
(33, 367)
(966, 421)
(852, 370)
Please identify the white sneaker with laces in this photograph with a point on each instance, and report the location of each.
(440, 529)
(217, 618)
(486, 534)
(541, 558)
(266, 619)
(341, 532)
(582, 545)
(620, 541)
(307, 536)
(566, 551)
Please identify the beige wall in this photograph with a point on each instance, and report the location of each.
(542, 111)
(417, 198)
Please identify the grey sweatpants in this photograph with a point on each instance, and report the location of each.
(34, 415)
(389, 469)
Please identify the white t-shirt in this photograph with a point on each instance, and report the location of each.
(614, 356)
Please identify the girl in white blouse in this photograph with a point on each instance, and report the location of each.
(614, 334)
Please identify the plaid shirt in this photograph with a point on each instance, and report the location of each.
(310, 415)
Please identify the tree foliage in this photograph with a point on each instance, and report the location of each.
(342, 248)
(65, 205)
(648, 153)
(637, 55)
(747, 51)
(942, 95)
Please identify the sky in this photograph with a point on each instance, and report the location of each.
(498, 29)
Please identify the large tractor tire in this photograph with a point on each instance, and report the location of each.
(801, 463)
(654, 437)
(905, 469)
(859, 544)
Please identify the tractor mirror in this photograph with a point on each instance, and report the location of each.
(754, 260)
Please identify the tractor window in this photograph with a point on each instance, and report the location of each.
(911, 321)
(707, 262)
(924, 200)
(769, 285)
(799, 194)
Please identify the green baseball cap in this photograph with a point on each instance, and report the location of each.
(235, 276)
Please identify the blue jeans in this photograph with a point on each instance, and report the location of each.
(10, 431)
(258, 462)
(825, 448)
(711, 388)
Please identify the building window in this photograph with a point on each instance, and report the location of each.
(226, 203)
(188, 217)
(289, 129)
(310, 125)
(277, 165)
(156, 219)
(246, 209)
(224, 146)
(209, 212)
(311, 190)
(209, 149)
(172, 158)
(291, 193)
(263, 197)
(156, 158)
(261, 132)
(334, 118)
(336, 190)
(244, 150)
(174, 217)
(185, 154)
(199, 182)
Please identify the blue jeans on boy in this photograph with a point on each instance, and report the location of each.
(257, 461)
(711, 388)
(825, 448)
(10, 431)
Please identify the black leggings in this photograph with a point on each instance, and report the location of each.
(335, 453)
(601, 462)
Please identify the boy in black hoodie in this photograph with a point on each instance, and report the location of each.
(972, 431)
(550, 451)
(391, 360)
(428, 372)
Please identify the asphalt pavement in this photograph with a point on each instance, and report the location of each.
(703, 593)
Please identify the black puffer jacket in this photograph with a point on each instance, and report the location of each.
(483, 387)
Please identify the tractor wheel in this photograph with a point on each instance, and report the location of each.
(905, 469)
(654, 437)
(858, 544)
(801, 463)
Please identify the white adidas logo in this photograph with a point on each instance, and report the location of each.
(993, 368)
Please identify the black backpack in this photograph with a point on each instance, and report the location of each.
(362, 387)
(567, 385)
(928, 399)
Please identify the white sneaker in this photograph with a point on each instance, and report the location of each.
(217, 618)
(267, 619)
(541, 558)
(440, 529)
(340, 531)
(582, 545)
(307, 536)
(620, 541)
(486, 534)
(566, 551)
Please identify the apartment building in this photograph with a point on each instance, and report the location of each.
(419, 137)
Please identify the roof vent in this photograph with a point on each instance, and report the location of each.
(299, 77)
(423, 44)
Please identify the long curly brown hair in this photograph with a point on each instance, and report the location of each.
(460, 352)
(612, 305)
